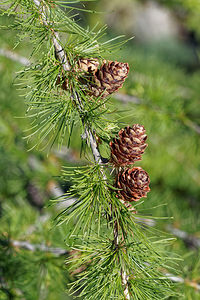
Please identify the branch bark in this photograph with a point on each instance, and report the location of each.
(177, 279)
(60, 53)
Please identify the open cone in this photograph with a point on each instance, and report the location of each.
(109, 78)
(129, 145)
(132, 184)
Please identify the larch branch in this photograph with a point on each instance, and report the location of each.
(89, 135)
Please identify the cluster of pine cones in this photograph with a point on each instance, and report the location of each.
(132, 183)
(99, 80)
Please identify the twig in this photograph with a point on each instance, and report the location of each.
(191, 124)
(60, 53)
(187, 238)
(133, 99)
(187, 282)
(34, 247)
(13, 56)
(56, 191)
(93, 145)
(66, 154)
(127, 98)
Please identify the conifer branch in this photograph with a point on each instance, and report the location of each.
(62, 57)
(60, 251)
(123, 254)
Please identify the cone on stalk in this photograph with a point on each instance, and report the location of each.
(85, 69)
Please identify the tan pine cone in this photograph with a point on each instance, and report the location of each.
(88, 65)
(133, 184)
(85, 68)
(109, 78)
(129, 146)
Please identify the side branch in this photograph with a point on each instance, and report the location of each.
(59, 252)
(34, 247)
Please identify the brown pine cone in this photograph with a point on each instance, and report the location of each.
(109, 78)
(133, 184)
(100, 82)
(130, 145)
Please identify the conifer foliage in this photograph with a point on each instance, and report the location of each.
(67, 87)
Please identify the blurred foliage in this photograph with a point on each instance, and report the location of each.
(166, 79)
(188, 11)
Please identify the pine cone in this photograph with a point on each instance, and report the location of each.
(109, 78)
(133, 184)
(130, 145)
(88, 65)
(100, 82)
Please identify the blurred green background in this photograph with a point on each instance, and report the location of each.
(162, 92)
